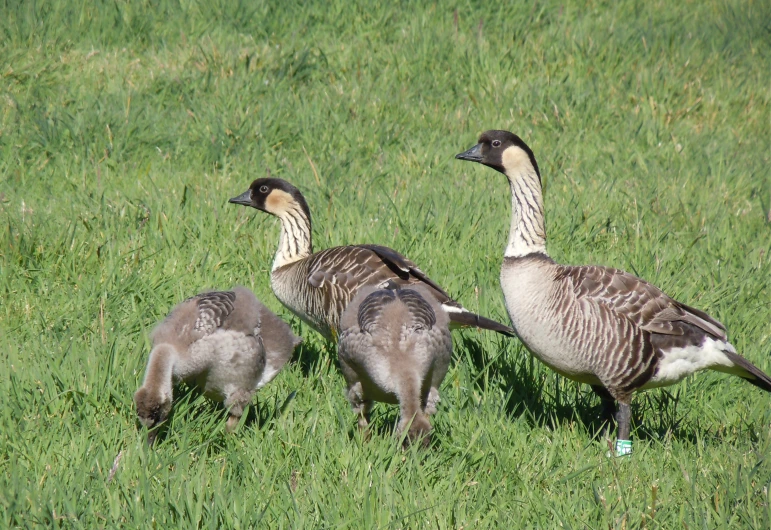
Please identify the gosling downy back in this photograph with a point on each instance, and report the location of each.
(395, 347)
(225, 342)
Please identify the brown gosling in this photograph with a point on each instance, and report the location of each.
(395, 347)
(225, 342)
(596, 325)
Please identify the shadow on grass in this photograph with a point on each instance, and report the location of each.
(311, 357)
(190, 401)
(383, 428)
(655, 414)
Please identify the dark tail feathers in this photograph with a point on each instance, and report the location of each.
(758, 377)
(467, 318)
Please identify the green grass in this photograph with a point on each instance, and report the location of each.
(126, 126)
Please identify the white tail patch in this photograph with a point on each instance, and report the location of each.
(679, 363)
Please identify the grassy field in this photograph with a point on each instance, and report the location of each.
(126, 126)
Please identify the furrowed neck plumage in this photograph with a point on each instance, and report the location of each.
(527, 234)
(295, 241)
(160, 370)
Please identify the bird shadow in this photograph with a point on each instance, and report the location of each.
(549, 402)
(311, 357)
(263, 412)
(257, 414)
(383, 425)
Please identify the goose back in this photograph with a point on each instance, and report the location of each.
(329, 279)
(390, 336)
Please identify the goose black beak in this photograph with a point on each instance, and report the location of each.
(245, 198)
(472, 155)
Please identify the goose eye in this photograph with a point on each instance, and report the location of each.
(263, 189)
(496, 143)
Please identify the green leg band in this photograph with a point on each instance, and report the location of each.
(623, 447)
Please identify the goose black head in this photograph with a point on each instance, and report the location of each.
(273, 196)
(502, 151)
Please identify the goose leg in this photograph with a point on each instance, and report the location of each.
(432, 401)
(624, 418)
(152, 434)
(363, 412)
(361, 407)
(608, 404)
(359, 403)
(436, 376)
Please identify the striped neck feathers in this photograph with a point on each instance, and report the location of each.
(527, 234)
(295, 241)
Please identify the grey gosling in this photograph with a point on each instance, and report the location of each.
(395, 347)
(225, 342)
(593, 324)
(318, 287)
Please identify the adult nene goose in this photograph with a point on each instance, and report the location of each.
(596, 325)
(317, 287)
(225, 342)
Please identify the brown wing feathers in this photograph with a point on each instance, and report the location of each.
(371, 307)
(403, 267)
(407, 269)
(213, 309)
(421, 313)
(642, 303)
(338, 272)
